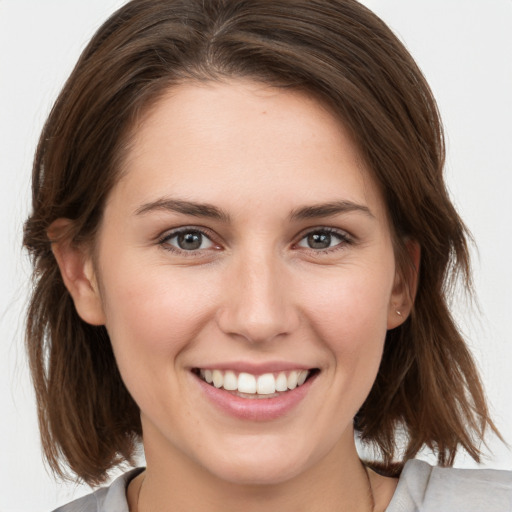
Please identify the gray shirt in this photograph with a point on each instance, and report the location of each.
(421, 488)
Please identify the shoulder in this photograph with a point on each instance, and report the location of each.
(106, 499)
(424, 488)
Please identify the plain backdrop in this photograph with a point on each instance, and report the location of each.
(464, 47)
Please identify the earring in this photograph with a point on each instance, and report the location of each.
(398, 312)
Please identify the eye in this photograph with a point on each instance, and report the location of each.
(323, 239)
(187, 240)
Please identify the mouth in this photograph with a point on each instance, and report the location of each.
(247, 385)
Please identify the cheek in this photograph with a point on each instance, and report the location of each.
(349, 315)
(152, 318)
(155, 313)
(351, 308)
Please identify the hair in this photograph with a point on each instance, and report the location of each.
(427, 387)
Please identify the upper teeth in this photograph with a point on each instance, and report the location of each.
(265, 384)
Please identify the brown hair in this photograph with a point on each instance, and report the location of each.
(427, 385)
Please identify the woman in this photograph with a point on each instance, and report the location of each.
(242, 246)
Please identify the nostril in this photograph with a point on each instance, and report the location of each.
(258, 313)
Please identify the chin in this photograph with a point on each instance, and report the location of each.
(261, 466)
(251, 473)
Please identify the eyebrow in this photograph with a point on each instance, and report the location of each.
(328, 210)
(184, 207)
(213, 212)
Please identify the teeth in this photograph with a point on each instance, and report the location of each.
(281, 382)
(302, 377)
(246, 383)
(292, 380)
(266, 384)
(230, 381)
(218, 378)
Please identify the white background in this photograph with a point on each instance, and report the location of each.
(465, 50)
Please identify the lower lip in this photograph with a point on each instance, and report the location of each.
(256, 409)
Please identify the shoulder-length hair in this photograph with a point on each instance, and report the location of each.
(427, 386)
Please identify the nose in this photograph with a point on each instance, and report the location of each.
(258, 304)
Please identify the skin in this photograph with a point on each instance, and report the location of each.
(255, 291)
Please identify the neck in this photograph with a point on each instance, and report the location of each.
(336, 483)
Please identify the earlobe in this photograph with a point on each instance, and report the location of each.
(405, 286)
(77, 270)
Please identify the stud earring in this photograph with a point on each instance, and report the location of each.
(398, 312)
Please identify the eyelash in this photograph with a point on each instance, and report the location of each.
(345, 239)
(165, 239)
(343, 236)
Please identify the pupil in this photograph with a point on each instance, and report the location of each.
(190, 241)
(319, 240)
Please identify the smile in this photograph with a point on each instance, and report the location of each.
(250, 386)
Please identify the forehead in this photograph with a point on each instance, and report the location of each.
(220, 139)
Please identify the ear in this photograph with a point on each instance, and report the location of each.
(405, 286)
(77, 270)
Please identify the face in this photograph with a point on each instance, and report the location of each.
(245, 243)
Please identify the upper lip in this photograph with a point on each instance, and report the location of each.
(254, 368)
